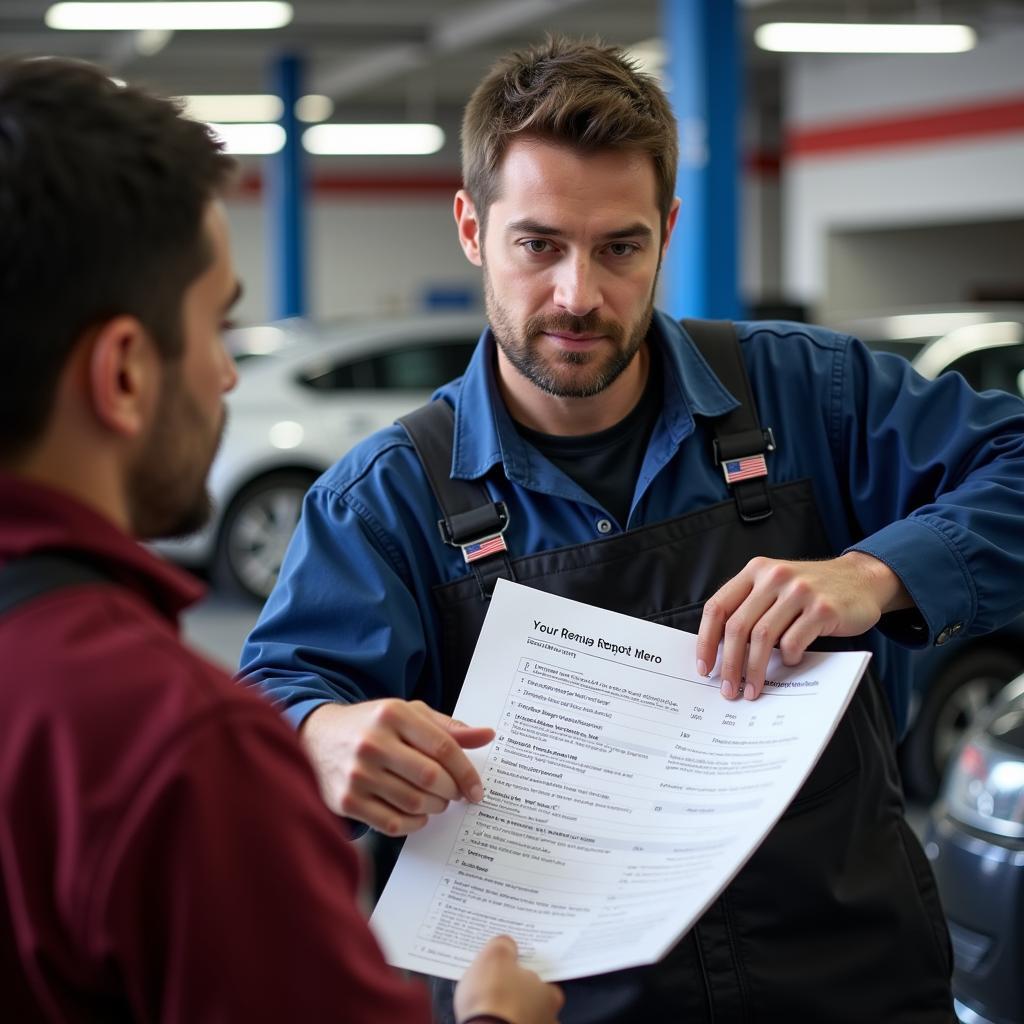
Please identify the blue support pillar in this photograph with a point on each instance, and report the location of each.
(285, 200)
(701, 271)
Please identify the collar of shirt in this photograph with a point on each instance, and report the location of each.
(485, 434)
(34, 518)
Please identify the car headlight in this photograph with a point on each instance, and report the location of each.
(985, 787)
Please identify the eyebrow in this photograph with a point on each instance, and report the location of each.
(533, 227)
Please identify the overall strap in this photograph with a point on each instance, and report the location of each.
(23, 579)
(470, 520)
(740, 444)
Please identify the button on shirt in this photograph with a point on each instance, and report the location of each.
(926, 476)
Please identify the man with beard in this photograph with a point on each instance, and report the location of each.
(765, 484)
(164, 851)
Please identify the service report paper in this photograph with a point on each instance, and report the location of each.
(622, 792)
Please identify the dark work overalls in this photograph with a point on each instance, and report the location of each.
(836, 917)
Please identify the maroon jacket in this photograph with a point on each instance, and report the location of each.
(164, 852)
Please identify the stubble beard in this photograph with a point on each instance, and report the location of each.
(566, 374)
(167, 487)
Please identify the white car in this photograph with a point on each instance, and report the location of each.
(305, 395)
(984, 343)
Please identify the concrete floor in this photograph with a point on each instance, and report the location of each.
(218, 625)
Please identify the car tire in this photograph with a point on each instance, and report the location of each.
(255, 532)
(949, 707)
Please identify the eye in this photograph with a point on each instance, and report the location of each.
(537, 246)
(623, 248)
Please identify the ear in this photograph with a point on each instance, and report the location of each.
(123, 375)
(670, 224)
(470, 234)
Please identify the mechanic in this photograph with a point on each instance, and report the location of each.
(164, 851)
(763, 484)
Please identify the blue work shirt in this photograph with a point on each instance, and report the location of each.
(927, 476)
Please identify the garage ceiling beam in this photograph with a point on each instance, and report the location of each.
(446, 35)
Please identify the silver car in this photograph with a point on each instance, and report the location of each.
(975, 840)
(305, 395)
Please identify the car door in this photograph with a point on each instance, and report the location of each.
(356, 395)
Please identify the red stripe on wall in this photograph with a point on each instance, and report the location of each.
(343, 184)
(999, 118)
(763, 162)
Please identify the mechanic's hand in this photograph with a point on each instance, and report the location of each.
(495, 984)
(788, 605)
(391, 763)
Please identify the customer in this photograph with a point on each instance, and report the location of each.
(164, 853)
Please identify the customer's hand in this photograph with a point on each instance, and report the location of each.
(391, 763)
(772, 603)
(494, 985)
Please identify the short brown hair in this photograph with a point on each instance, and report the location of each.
(578, 93)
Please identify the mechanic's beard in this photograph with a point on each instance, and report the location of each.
(167, 487)
(566, 374)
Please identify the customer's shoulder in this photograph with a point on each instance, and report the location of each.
(104, 659)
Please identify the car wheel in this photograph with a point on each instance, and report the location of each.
(256, 530)
(951, 703)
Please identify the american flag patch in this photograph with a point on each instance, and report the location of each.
(483, 548)
(748, 468)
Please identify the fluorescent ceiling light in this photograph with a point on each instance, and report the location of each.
(373, 139)
(175, 16)
(250, 139)
(840, 37)
(254, 107)
(313, 108)
(251, 108)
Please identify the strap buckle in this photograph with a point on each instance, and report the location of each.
(767, 436)
(478, 533)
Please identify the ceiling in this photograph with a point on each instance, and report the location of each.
(418, 60)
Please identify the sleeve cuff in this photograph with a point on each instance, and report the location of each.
(298, 712)
(936, 577)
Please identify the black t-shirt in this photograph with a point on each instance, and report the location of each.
(606, 464)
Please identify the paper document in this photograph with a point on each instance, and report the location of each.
(623, 792)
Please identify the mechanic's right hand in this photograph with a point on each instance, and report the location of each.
(391, 763)
(495, 985)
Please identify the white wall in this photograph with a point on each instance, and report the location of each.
(376, 255)
(368, 255)
(869, 271)
(954, 180)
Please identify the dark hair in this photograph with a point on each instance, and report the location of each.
(103, 188)
(579, 93)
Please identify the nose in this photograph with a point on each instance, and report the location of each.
(577, 289)
(229, 371)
